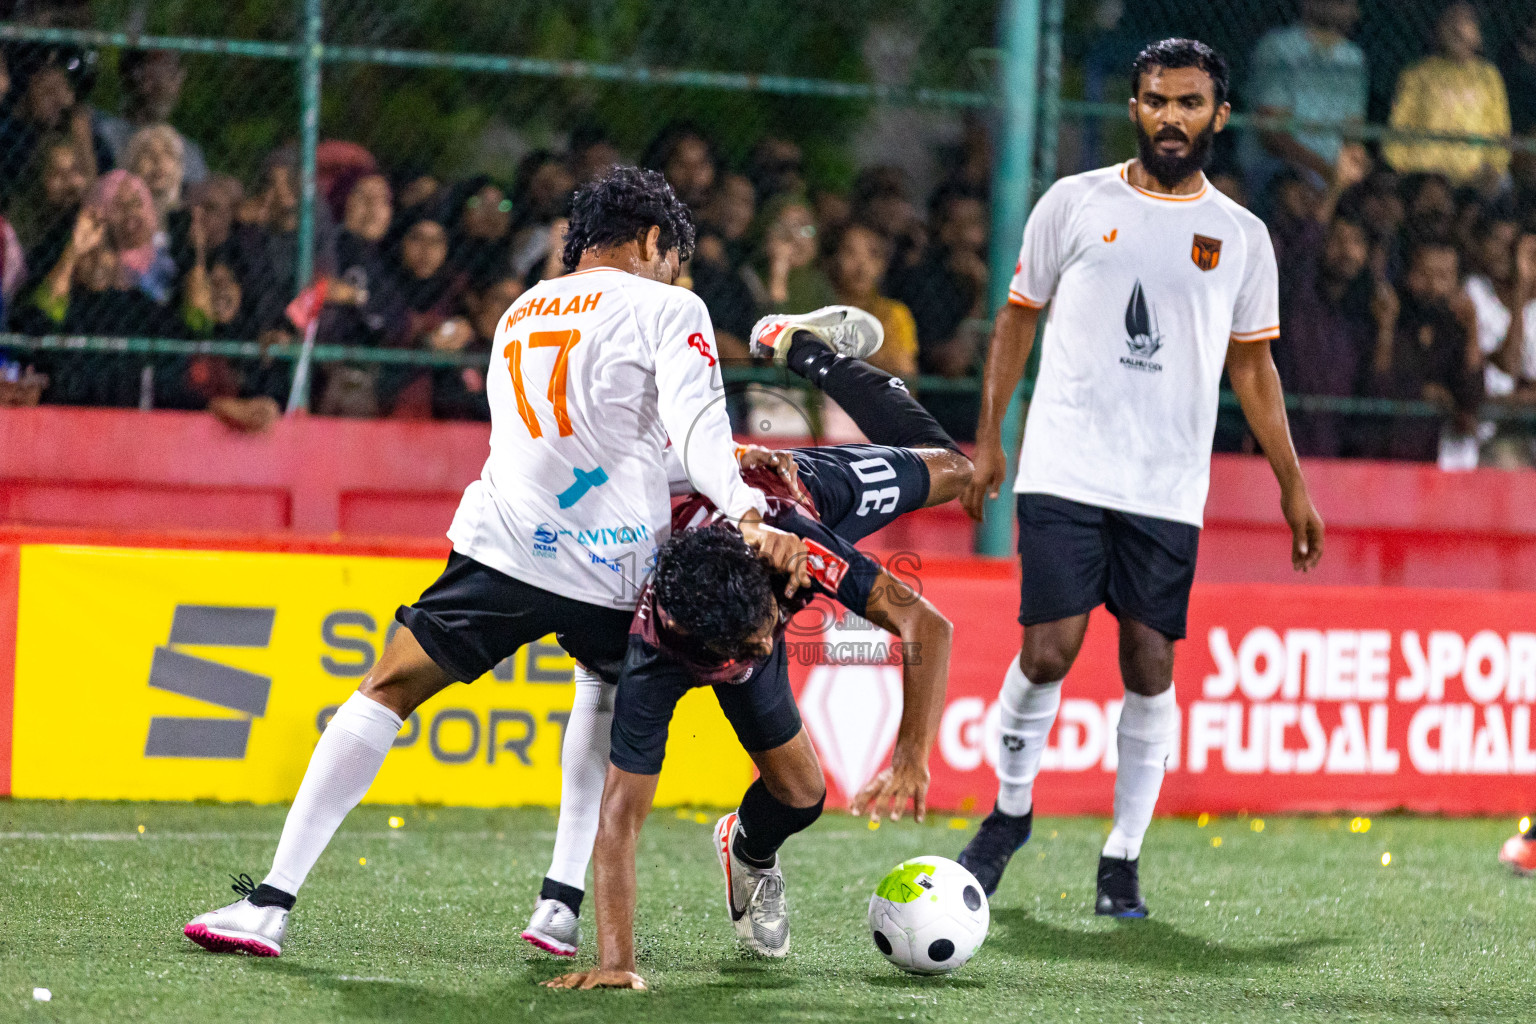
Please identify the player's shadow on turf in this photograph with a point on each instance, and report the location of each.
(736, 973)
(1149, 942)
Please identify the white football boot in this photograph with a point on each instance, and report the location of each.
(241, 927)
(554, 928)
(846, 330)
(753, 896)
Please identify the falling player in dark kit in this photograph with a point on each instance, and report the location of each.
(710, 617)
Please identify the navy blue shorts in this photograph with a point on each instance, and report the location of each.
(861, 488)
(473, 617)
(762, 709)
(1075, 557)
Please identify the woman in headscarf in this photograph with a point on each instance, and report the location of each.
(44, 213)
(481, 240)
(158, 156)
(122, 202)
(430, 288)
(87, 292)
(363, 306)
(785, 277)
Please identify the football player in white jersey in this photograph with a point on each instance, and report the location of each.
(1153, 282)
(592, 376)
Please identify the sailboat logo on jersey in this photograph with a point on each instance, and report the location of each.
(1142, 334)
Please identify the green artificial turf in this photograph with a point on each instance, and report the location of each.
(1297, 922)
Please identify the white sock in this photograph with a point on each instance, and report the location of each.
(1027, 713)
(343, 766)
(583, 767)
(1148, 726)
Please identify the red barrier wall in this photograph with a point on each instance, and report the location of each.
(1389, 524)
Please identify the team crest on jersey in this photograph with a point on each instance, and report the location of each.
(1142, 335)
(1206, 252)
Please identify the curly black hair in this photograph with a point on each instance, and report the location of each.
(622, 206)
(714, 588)
(1183, 53)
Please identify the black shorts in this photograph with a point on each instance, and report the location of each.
(1076, 557)
(762, 709)
(861, 488)
(473, 617)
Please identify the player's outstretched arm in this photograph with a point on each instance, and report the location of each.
(926, 637)
(1013, 336)
(627, 800)
(1257, 384)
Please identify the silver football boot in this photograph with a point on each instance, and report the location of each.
(753, 896)
(846, 330)
(554, 928)
(241, 927)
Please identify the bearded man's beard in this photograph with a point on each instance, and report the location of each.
(1169, 169)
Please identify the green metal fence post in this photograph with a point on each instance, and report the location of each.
(1012, 184)
(1050, 94)
(309, 138)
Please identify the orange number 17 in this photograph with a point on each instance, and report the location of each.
(562, 340)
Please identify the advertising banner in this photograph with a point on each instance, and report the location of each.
(144, 674)
(1291, 699)
(181, 674)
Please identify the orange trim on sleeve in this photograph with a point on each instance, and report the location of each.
(1265, 334)
(1015, 299)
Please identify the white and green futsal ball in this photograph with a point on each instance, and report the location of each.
(929, 915)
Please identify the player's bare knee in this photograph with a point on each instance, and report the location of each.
(1146, 659)
(1045, 666)
(401, 686)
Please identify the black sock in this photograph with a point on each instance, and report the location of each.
(265, 895)
(766, 823)
(567, 894)
(878, 403)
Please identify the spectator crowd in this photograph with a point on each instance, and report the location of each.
(1407, 266)
(1408, 273)
(116, 226)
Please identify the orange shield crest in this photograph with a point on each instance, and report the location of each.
(1206, 252)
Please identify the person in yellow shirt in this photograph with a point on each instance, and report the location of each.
(1456, 92)
(857, 267)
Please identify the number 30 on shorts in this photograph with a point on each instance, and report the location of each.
(562, 340)
(874, 471)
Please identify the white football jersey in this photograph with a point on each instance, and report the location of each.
(1145, 293)
(591, 376)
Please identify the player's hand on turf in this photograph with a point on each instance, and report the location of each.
(781, 462)
(598, 979)
(990, 464)
(906, 779)
(1306, 530)
(784, 551)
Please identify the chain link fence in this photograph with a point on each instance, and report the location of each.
(156, 160)
(448, 138)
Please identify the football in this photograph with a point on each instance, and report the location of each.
(928, 915)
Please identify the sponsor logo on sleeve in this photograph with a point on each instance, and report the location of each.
(825, 567)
